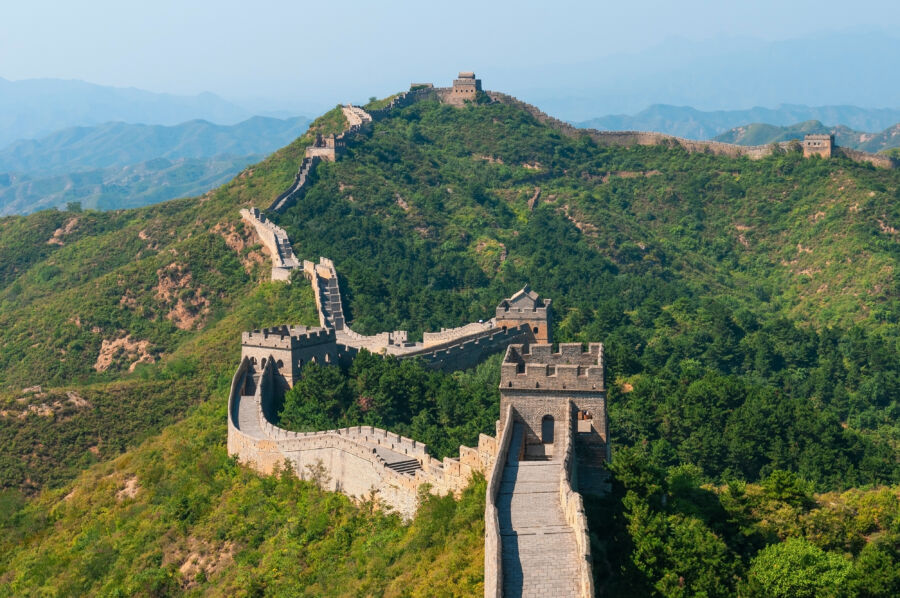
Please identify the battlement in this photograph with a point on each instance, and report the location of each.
(288, 337)
(537, 366)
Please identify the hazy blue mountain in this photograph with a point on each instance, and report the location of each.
(761, 134)
(118, 144)
(34, 107)
(838, 68)
(691, 123)
(119, 187)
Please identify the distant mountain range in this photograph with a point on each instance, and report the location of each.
(119, 165)
(119, 144)
(762, 134)
(35, 107)
(684, 121)
(120, 187)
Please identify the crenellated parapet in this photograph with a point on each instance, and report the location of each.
(571, 367)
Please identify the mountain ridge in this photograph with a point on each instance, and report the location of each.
(691, 123)
(761, 134)
(33, 107)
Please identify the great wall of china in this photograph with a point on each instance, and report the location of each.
(467, 87)
(551, 442)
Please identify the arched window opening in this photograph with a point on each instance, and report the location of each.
(279, 364)
(547, 429)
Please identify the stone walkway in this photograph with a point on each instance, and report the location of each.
(538, 548)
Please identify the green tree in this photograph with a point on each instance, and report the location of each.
(796, 569)
(318, 400)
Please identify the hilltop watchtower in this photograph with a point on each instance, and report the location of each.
(465, 88)
(818, 145)
(548, 390)
(526, 307)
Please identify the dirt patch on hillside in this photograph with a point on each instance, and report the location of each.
(63, 231)
(238, 240)
(194, 556)
(129, 490)
(188, 308)
(124, 350)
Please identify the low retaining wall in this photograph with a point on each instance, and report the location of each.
(573, 508)
(493, 557)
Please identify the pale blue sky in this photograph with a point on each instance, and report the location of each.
(318, 53)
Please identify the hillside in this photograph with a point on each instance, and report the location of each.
(748, 310)
(763, 134)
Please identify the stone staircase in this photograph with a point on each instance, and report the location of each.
(409, 466)
(539, 554)
(333, 308)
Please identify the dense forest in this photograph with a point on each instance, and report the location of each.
(749, 311)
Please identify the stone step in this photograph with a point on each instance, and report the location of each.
(408, 467)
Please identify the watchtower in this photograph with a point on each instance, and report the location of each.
(548, 389)
(818, 145)
(526, 307)
(291, 347)
(465, 88)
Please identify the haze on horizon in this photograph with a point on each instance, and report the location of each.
(576, 59)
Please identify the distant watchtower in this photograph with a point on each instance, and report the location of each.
(465, 88)
(818, 145)
(548, 390)
(526, 307)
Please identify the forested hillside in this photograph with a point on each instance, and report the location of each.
(749, 310)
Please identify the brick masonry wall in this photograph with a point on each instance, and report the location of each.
(573, 507)
(493, 558)
(348, 455)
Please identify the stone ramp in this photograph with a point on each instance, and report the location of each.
(539, 554)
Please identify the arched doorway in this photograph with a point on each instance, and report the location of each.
(547, 429)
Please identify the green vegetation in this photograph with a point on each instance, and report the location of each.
(664, 533)
(441, 410)
(749, 310)
(177, 516)
(748, 307)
